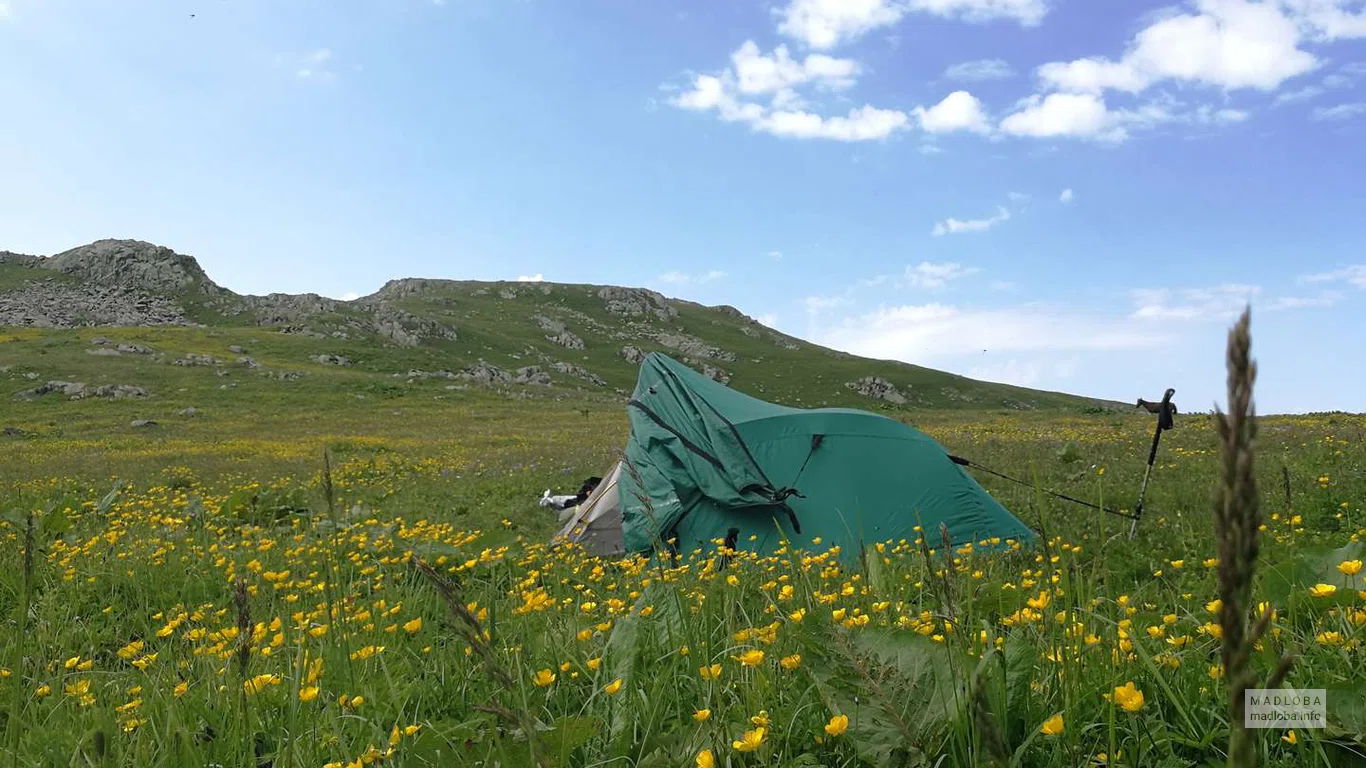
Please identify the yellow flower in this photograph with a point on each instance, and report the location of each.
(838, 725)
(705, 759)
(413, 626)
(1290, 737)
(1178, 564)
(751, 658)
(308, 693)
(180, 689)
(543, 678)
(1329, 638)
(1053, 725)
(710, 673)
(790, 663)
(259, 683)
(594, 664)
(701, 714)
(750, 740)
(797, 615)
(1128, 697)
(1214, 606)
(1348, 568)
(1323, 590)
(42, 691)
(612, 687)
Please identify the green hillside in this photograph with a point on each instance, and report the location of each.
(189, 343)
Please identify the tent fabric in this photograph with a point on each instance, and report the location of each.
(705, 461)
(596, 523)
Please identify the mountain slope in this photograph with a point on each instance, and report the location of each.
(519, 339)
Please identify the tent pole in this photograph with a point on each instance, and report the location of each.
(1164, 422)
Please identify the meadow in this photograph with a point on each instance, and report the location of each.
(373, 585)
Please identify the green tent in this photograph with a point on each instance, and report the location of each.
(705, 462)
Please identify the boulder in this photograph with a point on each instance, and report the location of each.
(632, 354)
(194, 359)
(694, 347)
(104, 352)
(878, 388)
(135, 349)
(578, 372)
(484, 373)
(191, 411)
(532, 374)
(237, 349)
(141, 423)
(567, 339)
(636, 302)
(330, 360)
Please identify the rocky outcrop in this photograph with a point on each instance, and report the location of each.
(566, 339)
(76, 390)
(694, 347)
(284, 309)
(531, 374)
(134, 264)
(578, 372)
(195, 358)
(134, 349)
(406, 329)
(484, 373)
(331, 360)
(57, 304)
(632, 354)
(714, 373)
(636, 302)
(878, 388)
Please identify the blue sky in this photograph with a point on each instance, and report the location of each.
(1065, 194)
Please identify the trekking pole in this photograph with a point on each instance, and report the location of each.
(1164, 422)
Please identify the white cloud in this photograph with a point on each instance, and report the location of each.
(1066, 196)
(1330, 19)
(1229, 44)
(959, 111)
(929, 149)
(758, 74)
(4, 11)
(768, 320)
(679, 278)
(1302, 94)
(1340, 112)
(775, 255)
(1073, 115)
(1217, 302)
(1026, 373)
(930, 332)
(816, 305)
(1354, 275)
(350, 296)
(315, 65)
(928, 274)
(776, 79)
(956, 226)
(982, 69)
(1325, 299)
(862, 124)
(823, 24)
(536, 278)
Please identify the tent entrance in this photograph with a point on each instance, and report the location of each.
(596, 523)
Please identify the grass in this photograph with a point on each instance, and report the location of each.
(211, 592)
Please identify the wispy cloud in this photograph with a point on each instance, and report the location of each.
(682, 278)
(928, 274)
(1354, 275)
(1341, 111)
(982, 69)
(956, 226)
(536, 278)
(316, 65)
(1217, 302)
(350, 296)
(1066, 196)
(775, 255)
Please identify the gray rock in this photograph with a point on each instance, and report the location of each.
(141, 423)
(237, 349)
(77, 390)
(135, 349)
(330, 360)
(636, 301)
(694, 347)
(53, 304)
(579, 372)
(99, 341)
(191, 411)
(194, 359)
(632, 354)
(567, 339)
(531, 374)
(549, 324)
(878, 388)
(103, 352)
(248, 362)
(715, 374)
(134, 264)
(484, 373)
(507, 293)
